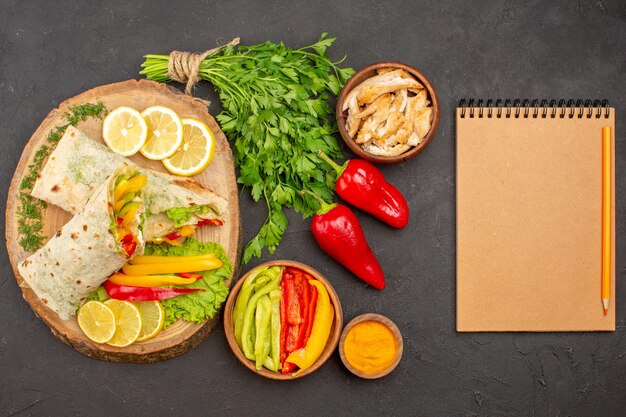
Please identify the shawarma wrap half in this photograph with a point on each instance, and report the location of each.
(96, 242)
(79, 165)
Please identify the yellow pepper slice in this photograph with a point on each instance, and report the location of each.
(149, 281)
(132, 185)
(122, 231)
(172, 268)
(322, 322)
(186, 231)
(130, 213)
(153, 259)
(172, 242)
(119, 204)
(119, 190)
(159, 240)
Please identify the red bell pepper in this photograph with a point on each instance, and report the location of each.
(128, 244)
(291, 341)
(129, 247)
(128, 293)
(293, 317)
(292, 302)
(312, 305)
(364, 186)
(288, 368)
(190, 275)
(283, 328)
(212, 222)
(304, 298)
(283, 325)
(173, 236)
(297, 311)
(339, 233)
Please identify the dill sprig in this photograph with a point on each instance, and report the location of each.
(29, 212)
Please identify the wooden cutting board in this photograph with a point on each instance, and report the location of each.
(218, 177)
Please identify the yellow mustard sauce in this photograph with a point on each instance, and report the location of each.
(370, 347)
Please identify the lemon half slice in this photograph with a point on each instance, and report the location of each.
(124, 131)
(196, 152)
(152, 319)
(165, 132)
(97, 321)
(128, 321)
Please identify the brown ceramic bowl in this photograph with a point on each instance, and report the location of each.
(369, 72)
(387, 323)
(333, 338)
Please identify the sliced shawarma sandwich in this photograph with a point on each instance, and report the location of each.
(175, 206)
(96, 242)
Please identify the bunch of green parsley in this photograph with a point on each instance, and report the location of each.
(275, 110)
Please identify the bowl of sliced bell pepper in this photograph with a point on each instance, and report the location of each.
(283, 320)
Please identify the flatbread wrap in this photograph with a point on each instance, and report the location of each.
(96, 242)
(78, 165)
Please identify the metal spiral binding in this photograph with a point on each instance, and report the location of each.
(534, 109)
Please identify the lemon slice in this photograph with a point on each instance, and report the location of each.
(97, 321)
(124, 131)
(152, 319)
(128, 321)
(196, 152)
(165, 132)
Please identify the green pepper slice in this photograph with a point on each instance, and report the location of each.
(247, 289)
(262, 321)
(275, 329)
(248, 318)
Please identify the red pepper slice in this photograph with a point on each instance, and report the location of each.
(312, 304)
(128, 244)
(287, 368)
(190, 275)
(127, 238)
(304, 295)
(283, 324)
(128, 293)
(297, 309)
(129, 247)
(173, 236)
(288, 337)
(294, 314)
(119, 221)
(283, 316)
(292, 302)
(212, 222)
(291, 342)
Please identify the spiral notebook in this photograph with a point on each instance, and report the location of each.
(529, 215)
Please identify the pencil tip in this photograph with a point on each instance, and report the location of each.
(606, 311)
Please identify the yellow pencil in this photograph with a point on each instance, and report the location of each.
(606, 217)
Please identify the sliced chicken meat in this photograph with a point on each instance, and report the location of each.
(388, 113)
(369, 93)
(381, 102)
(377, 79)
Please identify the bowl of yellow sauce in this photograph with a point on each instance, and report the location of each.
(370, 346)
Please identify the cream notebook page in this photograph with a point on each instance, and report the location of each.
(529, 216)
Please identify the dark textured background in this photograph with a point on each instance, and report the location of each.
(53, 50)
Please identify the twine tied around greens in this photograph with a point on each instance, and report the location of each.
(184, 67)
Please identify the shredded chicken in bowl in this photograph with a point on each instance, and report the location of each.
(388, 113)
